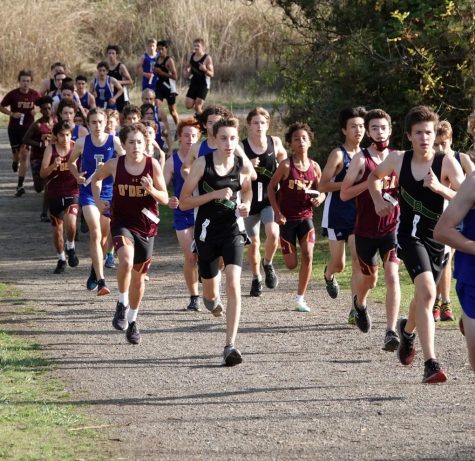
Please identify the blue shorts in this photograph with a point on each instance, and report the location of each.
(86, 199)
(466, 295)
(183, 219)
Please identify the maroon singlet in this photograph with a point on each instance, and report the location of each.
(294, 203)
(129, 197)
(43, 129)
(368, 223)
(21, 102)
(61, 183)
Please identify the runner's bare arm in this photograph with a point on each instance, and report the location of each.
(280, 174)
(348, 189)
(331, 169)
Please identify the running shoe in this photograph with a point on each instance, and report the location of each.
(256, 288)
(194, 305)
(119, 321)
(231, 356)
(271, 279)
(407, 349)
(391, 341)
(432, 373)
(14, 166)
(331, 285)
(44, 217)
(436, 309)
(352, 317)
(133, 334)
(110, 262)
(60, 267)
(446, 313)
(73, 260)
(20, 191)
(102, 289)
(302, 306)
(91, 283)
(218, 310)
(362, 318)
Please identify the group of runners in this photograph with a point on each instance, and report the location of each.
(88, 156)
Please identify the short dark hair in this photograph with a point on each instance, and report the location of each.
(131, 109)
(229, 122)
(96, 111)
(144, 108)
(212, 110)
(124, 132)
(61, 126)
(376, 113)
(296, 127)
(81, 78)
(116, 48)
(65, 103)
(58, 64)
(25, 73)
(164, 43)
(68, 84)
(102, 64)
(44, 100)
(420, 114)
(350, 112)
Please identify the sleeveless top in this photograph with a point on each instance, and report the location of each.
(199, 77)
(205, 149)
(104, 93)
(464, 263)
(75, 133)
(178, 182)
(115, 72)
(91, 156)
(294, 203)
(61, 183)
(368, 223)
(130, 198)
(163, 81)
(217, 218)
(265, 170)
(43, 129)
(420, 207)
(158, 135)
(147, 66)
(84, 100)
(338, 214)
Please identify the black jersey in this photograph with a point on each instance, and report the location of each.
(163, 81)
(218, 218)
(265, 170)
(420, 207)
(199, 77)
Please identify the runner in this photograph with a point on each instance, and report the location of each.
(297, 177)
(57, 83)
(152, 149)
(199, 70)
(219, 230)
(146, 65)
(105, 89)
(138, 187)
(62, 194)
(93, 150)
(21, 103)
(158, 116)
(374, 234)
(132, 114)
(47, 85)
(183, 221)
(166, 82)
(264, 152)
(119, 71)
(67, 112)
(443, 143)
(424, 178)
(339, 217)
(87, 99)
(38, 136)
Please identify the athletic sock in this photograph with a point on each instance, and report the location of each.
(62, 256)
(20, 181)
(265, 262)
(299, 298)
(408, 335)
(69, 245)
(124, 298)
(445, 300)
(132, 314)
(256, 277)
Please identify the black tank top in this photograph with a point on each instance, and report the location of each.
(115, 72)
(265, 170)
(420, 207)
(218, 217)
(198, 75)
(163, 81)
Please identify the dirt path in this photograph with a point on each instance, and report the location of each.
(310, 387)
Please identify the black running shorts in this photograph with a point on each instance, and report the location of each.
(367, 250)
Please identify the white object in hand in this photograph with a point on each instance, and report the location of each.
(312, 192)
(390, 199)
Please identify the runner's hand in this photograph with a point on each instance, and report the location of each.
(103, 207)
(81, 179)
(147, 183)
(383, 208)
(173, 202)
(225, 193)
(431, 181)
(243, 209)
(279, 218)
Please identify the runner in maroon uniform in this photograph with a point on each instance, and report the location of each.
(62, 193)
(373, 233)
(38, 136)
(21, 102)
(298, 177)
(138, 186)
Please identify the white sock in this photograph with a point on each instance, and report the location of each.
(265, 262)
(69, 245)
(124, 298)
(61, 256)
(132, 315)
(299, 298)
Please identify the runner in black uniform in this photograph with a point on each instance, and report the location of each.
(119, 71)
(425, 181)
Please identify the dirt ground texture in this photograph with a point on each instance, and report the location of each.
(309, 387)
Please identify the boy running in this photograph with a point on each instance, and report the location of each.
(119, 71)
(107, 90)
(146, 65)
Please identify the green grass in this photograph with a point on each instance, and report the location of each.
(36, 421)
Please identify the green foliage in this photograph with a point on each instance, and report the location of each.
(378, 53)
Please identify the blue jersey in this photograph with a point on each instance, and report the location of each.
(158, 136)
(148, 66)
(75, 133)
(464, 263)
(205, 149)
(84, 99)
(93, 155)
(104, 93)
(181, 219)
(338, 214)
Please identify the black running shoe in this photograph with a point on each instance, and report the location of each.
(91, 283)
(432, 373)
(44, 217)
(331, 285)
(391, 341)
(362, 318)
(60, 267)
(194, 305)
(231, 356)
(14, 166)
(20, 191)
(271, 279)
(133, 334)
(102, 289)
(73, 260)
(256, 287)
(119, 321)
(407, 349)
